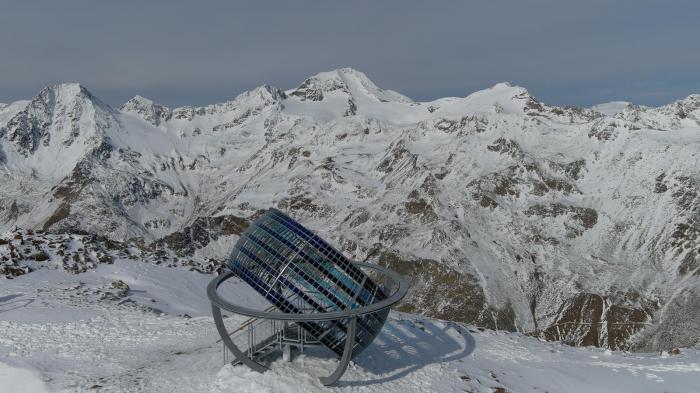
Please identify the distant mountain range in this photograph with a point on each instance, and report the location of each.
(579, 224)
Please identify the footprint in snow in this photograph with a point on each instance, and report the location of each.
(654, 377)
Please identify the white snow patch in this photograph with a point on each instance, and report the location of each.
(611, 108)
(20, 380)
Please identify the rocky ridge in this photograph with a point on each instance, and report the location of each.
(22, 251)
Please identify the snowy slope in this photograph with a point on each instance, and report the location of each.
(565, 223)
(76, 333)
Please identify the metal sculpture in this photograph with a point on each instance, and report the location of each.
(318, 296)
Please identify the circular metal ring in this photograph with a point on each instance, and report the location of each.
(399, 294)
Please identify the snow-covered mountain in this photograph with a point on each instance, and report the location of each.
(575, 224)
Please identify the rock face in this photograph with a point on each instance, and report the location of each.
(146, 109)
(566, 223)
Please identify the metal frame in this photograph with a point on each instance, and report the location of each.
(218, 303)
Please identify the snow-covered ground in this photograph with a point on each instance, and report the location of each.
(74, 333)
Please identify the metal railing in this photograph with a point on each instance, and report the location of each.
(258, 337)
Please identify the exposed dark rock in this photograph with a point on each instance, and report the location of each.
(59, 214)
(485, 201)
(603, 132)
(590, 319)
(10, 269)
(40, 256)
(464, 126)
(580, 218)
(506, 146)
(397, 157)
(420, 206)
(201, 232)
(122, 289)
(574, 169)
(360, 217)
(301, 203)
(660, 186)
(690, 262)
(432, 283)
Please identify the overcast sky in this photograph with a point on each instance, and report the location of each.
(198, 52)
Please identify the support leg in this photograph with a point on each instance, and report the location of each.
(287, 353)
(345, 359)
(255, 366)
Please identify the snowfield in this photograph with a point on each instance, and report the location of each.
(62, 332)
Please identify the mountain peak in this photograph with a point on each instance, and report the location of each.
(502, 85)
(147, 110)
(507, 87)
(341, 74)
(349, 81)
(57, 115)
(141, 99)
(502, 98)
(691, 100)
(345, 75)
(66, 92)
(69, 95)
(264, 94)
(68, 88)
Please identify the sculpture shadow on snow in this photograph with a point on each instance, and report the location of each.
(405, 346)
(7, 303)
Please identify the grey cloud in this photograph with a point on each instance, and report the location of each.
(184, 52)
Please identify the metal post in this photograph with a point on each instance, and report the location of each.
(287, 353)
(345, 359)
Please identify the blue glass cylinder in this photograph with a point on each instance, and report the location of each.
(298, 272)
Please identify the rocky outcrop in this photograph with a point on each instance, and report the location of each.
(148, 110)
(22, 251)
(202, 231)
(603, 321)
(432, 285)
